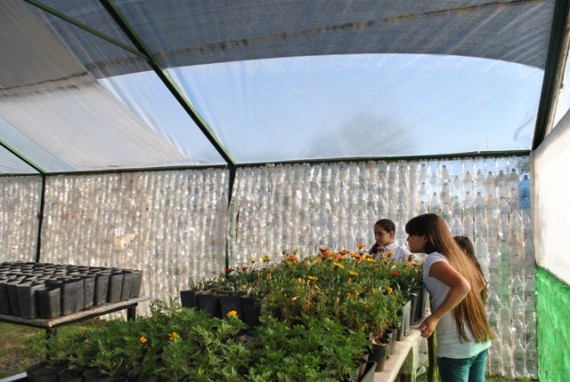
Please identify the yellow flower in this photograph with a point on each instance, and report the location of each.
(173, 336)
(233, 313)
(338, 265)
(370, 259)
(314, 278)
(353, 273)
(389, 290)
(253, 261)
(143, 340)
(266, 259)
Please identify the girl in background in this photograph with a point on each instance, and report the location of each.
(467, 247)
(458, 312)
(384, 232)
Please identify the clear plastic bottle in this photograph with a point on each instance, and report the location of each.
(519, 361)
(501, 181)
(517, 286)
(493, 318)
(530, 330)
(518, 330)
(495, 359)
(490, 184)
(517, 308)
(532, 359)
(507, 357)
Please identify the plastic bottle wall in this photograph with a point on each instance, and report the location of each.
(287, 208)
(176, 225)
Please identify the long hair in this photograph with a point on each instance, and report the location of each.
(467, 246)
(471, 310)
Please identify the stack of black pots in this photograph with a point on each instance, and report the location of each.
(44, 290)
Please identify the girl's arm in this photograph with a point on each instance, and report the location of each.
(459, 287)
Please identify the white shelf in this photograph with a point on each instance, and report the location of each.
(394, 363)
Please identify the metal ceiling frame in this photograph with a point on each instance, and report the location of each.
(553, 72)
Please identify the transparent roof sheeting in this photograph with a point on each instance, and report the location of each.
(365, 105)
(104, 85)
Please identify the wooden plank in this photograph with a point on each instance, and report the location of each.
(99, 310)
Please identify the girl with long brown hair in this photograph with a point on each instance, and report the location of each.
(458, 312)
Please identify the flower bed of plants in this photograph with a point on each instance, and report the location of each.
(319, 317)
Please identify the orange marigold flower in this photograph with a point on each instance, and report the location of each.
(244, 268)
(143, 340)
(394, 273)
(356, 256)
(343, 252)
(360, 245)
(233, 313)
(291, 258)
(173, 336)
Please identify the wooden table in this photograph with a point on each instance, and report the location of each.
(393, 365)
(51, 324)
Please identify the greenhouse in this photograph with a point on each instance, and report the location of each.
(183, 139)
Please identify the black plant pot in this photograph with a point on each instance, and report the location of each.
(188, 298)
(251, 311)
(379, 355)
(229, 303)
(12, 287)
(128, 278)
(80, 298)
(94, 375)
(414, 298)
(209, 303)
(47, 373)
(389, 337)
(69, 294)
(88, 291)
(49, 302)
(4, 299)
(137, 283)
(115, 286)
(71, 375)
(27, 298)
(101, 288)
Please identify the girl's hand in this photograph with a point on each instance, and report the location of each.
(428, 326)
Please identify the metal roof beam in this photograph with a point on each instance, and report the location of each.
(553, 72)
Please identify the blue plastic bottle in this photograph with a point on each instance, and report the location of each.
(525, 193)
